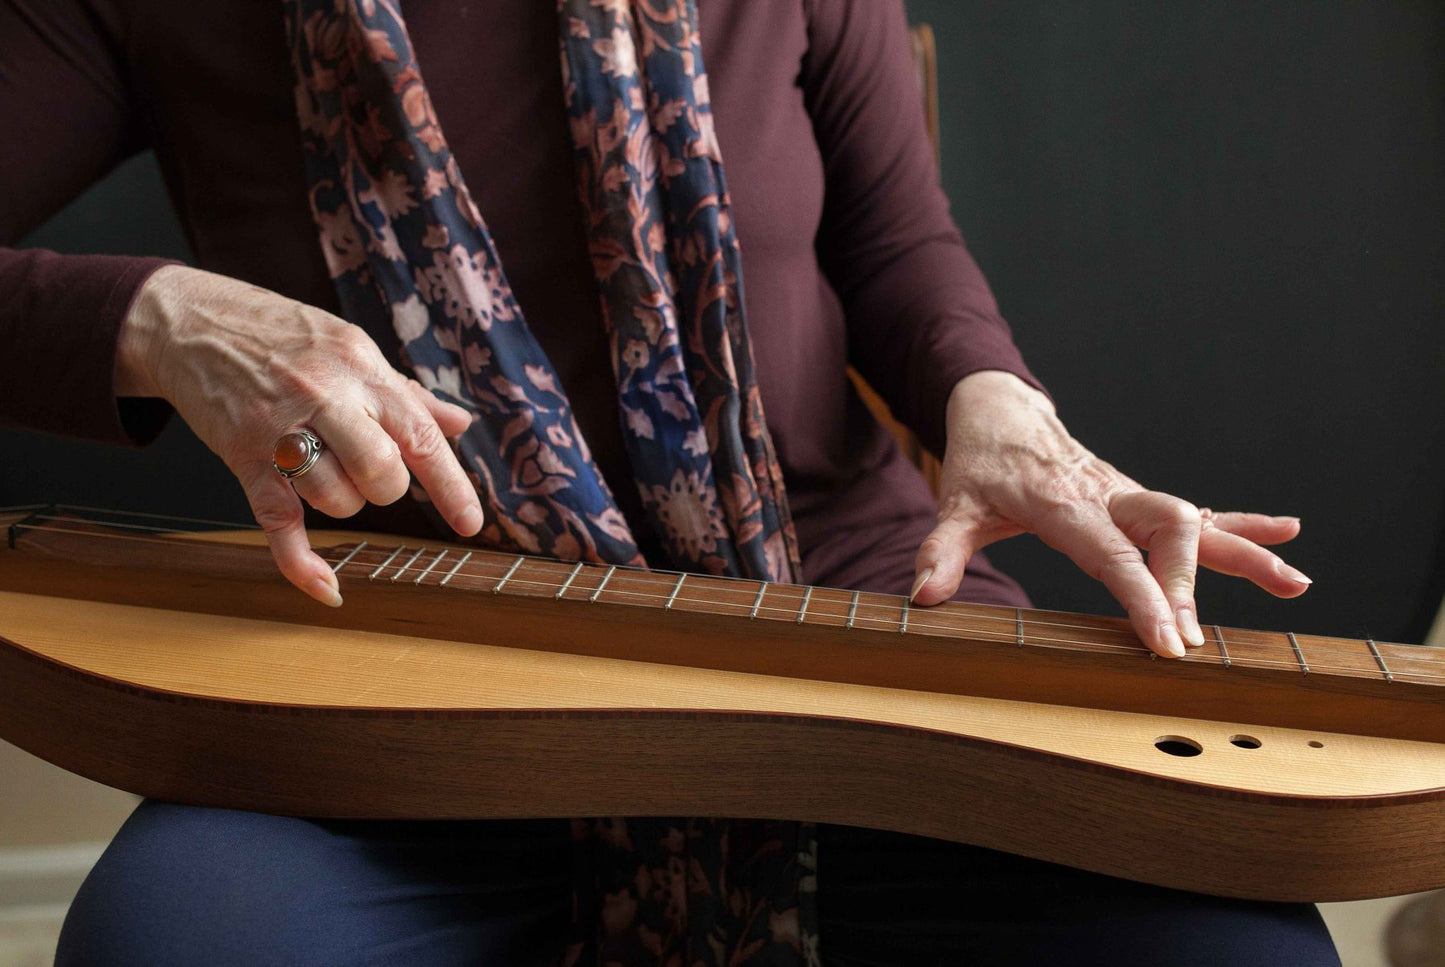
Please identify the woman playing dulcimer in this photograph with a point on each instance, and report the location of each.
(394, 371)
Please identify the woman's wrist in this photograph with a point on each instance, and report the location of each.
(142, 333)
(990, 388)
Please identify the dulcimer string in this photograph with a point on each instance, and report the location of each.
(1129, 643)
(1017, 630)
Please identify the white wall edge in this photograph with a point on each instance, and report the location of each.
(36, 877)
(33, 913)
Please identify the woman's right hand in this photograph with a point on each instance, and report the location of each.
(244, 366)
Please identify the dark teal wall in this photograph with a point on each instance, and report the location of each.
(1217, 230)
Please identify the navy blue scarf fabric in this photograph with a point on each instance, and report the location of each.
(406, 245)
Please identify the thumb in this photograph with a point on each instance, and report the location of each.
(942, 556)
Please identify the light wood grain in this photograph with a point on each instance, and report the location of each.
(280, 664)
(781, 630)
(265, 715)
(522, 689)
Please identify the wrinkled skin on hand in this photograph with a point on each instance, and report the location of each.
(243, 366)
(1011, 467)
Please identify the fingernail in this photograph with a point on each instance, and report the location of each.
(1173, 647)
(1189, 627)
(918, 583)
(326, 592)
(1292, 574)
(470, 521)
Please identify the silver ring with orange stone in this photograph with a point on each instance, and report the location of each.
(296, 452)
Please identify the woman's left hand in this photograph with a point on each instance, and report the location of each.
(1011, 467)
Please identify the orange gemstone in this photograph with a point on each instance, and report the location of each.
(291, 451)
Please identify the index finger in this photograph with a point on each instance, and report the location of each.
(412, 423)
(1092, 541)
(1168, 528)
(278, 510)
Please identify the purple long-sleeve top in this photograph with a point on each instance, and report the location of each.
(849, 252)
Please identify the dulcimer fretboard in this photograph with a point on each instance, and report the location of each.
(457, 593)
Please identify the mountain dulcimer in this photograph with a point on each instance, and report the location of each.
(174, 661)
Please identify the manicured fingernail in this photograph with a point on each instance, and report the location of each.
(326, 592)
(470, 521)
(1289, 573)
(919, 582)
(1173, 647)
(1189, 627)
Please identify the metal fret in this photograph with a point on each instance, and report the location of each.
(852, 610)
(676, 588)
(1299, 655)
(508, 576)
(384, 564)
(570, 578)
(605, 578)
(455, 568)
(1223, 651)
(903, 623)
(347, 559)
(758, 601)
(1379, 660)
(803, 610)
(48, 511)
(407, 566)
(1019, 627)
(435, 561)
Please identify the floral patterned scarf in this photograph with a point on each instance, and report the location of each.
(406, 246)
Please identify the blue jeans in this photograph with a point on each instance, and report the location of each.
(187, 886)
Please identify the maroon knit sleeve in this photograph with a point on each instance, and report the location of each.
(920, 315)
(64, 114)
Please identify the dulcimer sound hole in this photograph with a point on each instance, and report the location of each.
(1177, 745)
(1245, 741)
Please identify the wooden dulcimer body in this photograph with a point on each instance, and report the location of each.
(465, 684)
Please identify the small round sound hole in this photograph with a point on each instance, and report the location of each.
(1178, 745)
(1245, 741)
(1314, 744)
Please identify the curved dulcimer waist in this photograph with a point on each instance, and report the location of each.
(460, 683)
